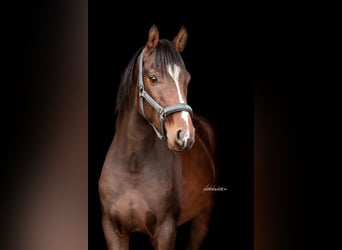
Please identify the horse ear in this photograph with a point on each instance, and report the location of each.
(153, 39)
(180, 40)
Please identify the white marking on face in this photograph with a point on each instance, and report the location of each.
(185, 115)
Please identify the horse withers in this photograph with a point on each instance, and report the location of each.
(162, 154)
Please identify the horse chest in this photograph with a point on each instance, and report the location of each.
(148, 182)
(151, 181)
(141, 201)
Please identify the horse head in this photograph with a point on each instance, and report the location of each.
(162, 89)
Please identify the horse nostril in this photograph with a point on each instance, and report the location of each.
(179, 135)
(180, 138)
(183, 142)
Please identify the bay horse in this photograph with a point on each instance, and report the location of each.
(162, 155)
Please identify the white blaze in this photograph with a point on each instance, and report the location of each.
(175, 76)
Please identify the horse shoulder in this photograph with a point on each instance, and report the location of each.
(205, 132)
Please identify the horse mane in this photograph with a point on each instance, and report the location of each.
(165, 54)
(127, 78)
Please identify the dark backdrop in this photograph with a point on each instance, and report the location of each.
(221, 88)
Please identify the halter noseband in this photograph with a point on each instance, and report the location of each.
(163, 112)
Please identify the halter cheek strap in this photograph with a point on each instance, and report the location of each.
(163, 112)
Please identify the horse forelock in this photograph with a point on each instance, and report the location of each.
(166, 55)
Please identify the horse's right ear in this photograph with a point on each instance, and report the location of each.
(153, 39)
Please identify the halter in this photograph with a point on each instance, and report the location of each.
(163, 112)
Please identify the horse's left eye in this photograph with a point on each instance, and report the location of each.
(153, 78)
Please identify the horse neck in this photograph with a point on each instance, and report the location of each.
(136, 143)
(134, 131)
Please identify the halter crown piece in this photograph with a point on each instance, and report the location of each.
(163, 112)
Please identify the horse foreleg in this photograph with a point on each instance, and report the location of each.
(199, 229)
(166, 236)
(113, 240)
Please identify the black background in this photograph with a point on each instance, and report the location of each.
(221, 88)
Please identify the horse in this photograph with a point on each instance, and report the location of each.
(162, 156)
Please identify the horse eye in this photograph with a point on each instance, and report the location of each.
(153, 78)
